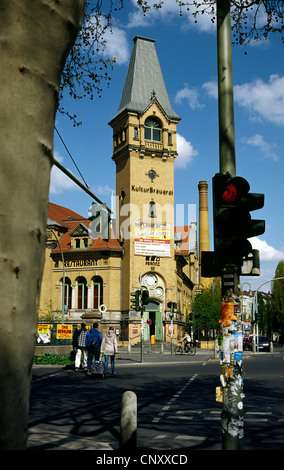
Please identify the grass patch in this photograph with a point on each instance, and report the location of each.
(52, 359)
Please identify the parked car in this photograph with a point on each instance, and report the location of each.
(263, 343)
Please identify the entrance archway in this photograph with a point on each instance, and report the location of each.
(153, 327)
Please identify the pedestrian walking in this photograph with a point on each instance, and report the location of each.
(109, 349)
(93, 344)
(79, 345)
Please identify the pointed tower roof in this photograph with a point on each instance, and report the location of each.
(144, 80)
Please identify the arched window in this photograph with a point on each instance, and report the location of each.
(152, 209)
(97, 292)
(153, 130)
(82, 293)
(67, 292)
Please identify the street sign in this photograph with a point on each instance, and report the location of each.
(149, 321)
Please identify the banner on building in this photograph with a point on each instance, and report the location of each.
(152, 239)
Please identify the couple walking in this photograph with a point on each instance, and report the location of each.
(106, 345)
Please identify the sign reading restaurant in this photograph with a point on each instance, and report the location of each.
(77, 263)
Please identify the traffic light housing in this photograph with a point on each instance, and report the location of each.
(233, 225)
(100, 221)
(144, 297)
(135, 300)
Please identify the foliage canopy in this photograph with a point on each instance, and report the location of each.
(86, 69)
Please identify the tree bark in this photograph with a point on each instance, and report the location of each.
(35, 38)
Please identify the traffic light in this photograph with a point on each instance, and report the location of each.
(233, 225)
(144, 297)
(135, 300)
(100, 219)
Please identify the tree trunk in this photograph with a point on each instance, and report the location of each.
(35, 40)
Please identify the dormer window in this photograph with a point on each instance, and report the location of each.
(153, 130)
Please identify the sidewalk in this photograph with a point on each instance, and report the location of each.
(152, 354)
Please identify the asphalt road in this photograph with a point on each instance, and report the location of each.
(176, 405)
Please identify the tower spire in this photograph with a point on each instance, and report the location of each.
(144, 80)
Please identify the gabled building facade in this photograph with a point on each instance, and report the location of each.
(145, 250)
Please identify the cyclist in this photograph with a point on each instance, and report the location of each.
(187, 340)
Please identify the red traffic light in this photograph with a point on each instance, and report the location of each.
(233, 189)
(233, 224)
(230, 193)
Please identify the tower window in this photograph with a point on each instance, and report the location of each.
(152, 209)
(152, 129)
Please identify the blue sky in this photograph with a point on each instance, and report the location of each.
(187, 52)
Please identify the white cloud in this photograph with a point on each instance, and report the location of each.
(266, 252)
(59, 182)
(186, 152)
(264, 100)
(190, 95)
(105, 190)
(211, 89)
(117, 45)
(266, 148)
(170, 10)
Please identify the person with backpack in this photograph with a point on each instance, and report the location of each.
(93, 345)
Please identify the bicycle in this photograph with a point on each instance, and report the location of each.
(187, 349)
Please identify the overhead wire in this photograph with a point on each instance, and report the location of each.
(71, 176)
(71, 156)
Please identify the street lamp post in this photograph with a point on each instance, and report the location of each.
(63, 271)
(255, 304)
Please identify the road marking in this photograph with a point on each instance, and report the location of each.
(176, 395)
(191, 438)
(180, 417)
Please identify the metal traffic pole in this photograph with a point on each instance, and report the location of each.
(231, 354)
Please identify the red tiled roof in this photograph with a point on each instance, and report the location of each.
(62, 214)
(70, 220)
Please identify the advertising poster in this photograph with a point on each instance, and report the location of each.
(135, 329)
(152, 239)
(64, 332)
(44, 332)
(238, 346)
